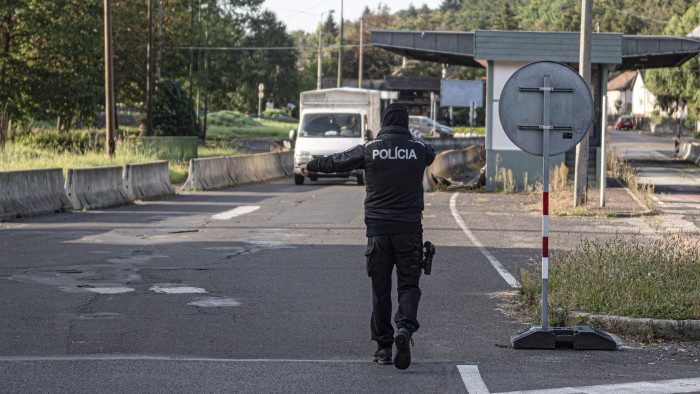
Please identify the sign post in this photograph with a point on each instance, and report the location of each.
(677, 139)
(549, 110)
(603, 151)
(472, 117)
(3, 131)
(261, 94)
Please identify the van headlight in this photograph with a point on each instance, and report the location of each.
(303, 157)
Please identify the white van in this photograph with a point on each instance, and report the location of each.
(332, 121)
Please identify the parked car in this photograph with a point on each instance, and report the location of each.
(624, 122)
(426, 126)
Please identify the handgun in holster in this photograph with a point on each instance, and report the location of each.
(428, 252)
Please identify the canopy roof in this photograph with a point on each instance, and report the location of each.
(475, 48)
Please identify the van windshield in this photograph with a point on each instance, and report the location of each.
(330, 125)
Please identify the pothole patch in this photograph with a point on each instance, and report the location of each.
(169, 288)
(214, 302)
(109, 290)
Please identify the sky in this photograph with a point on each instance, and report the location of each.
(306, 14)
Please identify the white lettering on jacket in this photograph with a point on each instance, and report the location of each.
(397, 153)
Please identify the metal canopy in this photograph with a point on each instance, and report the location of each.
(433, 46)
(640, 52)
(459, 48)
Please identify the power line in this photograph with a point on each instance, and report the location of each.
(266, 48)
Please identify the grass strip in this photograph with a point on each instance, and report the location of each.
(231, 124)
(18, 156)
(634, 277)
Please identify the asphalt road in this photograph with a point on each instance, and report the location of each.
(676, 182)
(262, 289)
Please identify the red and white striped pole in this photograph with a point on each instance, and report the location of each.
(546, 127)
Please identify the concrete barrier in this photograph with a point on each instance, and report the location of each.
(208, 174)
(214, 173)
(32, 192)
(95, 187)
(287, 162)
(147, 180)
(690, 151)
(453, 162)
(441, 144)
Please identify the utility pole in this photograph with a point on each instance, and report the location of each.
(206, 72)
(340, 49)
(199, 60)
(160, 39)
(359, 76)
(109, 78)
(191, 43)
(584, 70)
(149, 72)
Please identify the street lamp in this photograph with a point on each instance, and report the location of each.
(320, 28)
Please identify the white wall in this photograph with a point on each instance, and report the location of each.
(643, 101)
(501, 72)
(624, 96)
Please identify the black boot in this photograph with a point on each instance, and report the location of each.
(403, 343)
(383, 355)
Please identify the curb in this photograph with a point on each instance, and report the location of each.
(645, 327)
(646, 211)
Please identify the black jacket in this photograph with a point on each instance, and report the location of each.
(394, 164)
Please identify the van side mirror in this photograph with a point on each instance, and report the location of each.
(369, 135)
(292, 134)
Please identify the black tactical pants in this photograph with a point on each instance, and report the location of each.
(383, 252)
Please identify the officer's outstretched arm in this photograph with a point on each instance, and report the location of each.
(351, 159)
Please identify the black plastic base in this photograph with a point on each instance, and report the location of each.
(578, 337)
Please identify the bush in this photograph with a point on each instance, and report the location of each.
(230, 119)
(70, 143)
(276, 113)
(461, 116)
(173, 112)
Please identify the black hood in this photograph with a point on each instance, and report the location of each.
(395, 115)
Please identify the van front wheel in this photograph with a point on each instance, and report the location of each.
(298, 179)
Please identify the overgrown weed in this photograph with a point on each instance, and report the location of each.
(635, 277)
(624, 172)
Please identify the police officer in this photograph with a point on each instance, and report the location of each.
(394, 164)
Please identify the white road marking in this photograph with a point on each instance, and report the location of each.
(166, 289)
(472, 379)
(510, 279)
(136, 357)
(238, 211)
(214, 302)
(474, 384)
(109, 290)
(691, 385)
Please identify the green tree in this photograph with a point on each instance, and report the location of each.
(507, 21)
(680, 82)
(173, 111)
(276, 69)
(50, 63)
(330, 28)
(450, 5)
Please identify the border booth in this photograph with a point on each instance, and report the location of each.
(504, 52)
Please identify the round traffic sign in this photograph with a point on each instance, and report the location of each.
(543, 95)
(261, 87)
(261, 94)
